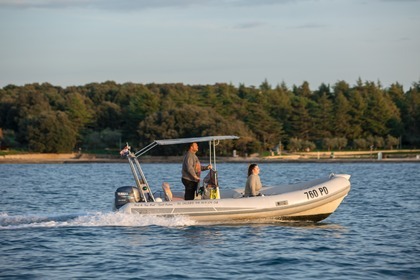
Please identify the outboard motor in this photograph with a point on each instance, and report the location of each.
(126, 194)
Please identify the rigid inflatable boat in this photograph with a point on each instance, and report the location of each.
(312, 200)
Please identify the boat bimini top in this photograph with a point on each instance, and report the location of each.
(210, 139)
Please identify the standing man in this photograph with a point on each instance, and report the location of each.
(191, 170)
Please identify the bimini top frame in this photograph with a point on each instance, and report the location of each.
(137, 171)
(184, 141)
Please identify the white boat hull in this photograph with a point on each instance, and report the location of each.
(311, 201)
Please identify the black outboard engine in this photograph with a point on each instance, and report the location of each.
(126, 194)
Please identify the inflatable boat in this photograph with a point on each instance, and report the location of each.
(312, 200)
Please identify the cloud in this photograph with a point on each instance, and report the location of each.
(95, 4)
(310, 26)
(133, 4)
(399, 1)
(248, 25)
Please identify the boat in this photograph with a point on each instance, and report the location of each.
(312, 200)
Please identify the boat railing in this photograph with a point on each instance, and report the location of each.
(141, 182)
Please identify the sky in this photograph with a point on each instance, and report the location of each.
(200, 42)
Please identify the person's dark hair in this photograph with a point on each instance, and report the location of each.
(251, 167)
(190, 145)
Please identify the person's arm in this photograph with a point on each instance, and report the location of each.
(191, 168)
(253, 183)
(258, 185)
(207, 167)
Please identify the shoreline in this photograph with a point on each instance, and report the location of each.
(339, 157)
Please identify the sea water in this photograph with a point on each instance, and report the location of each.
(56, 221)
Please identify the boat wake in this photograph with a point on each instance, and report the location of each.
(98, 219)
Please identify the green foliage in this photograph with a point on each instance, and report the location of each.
(342, 117)
(391, 142)
(360, 144)
(190, 121)
(109, 115)
(299, 145)
(322, 114)
(47, 118)
(7, 139)
(300, 120)
(107, 138)
(412, 115)
(335, 143)
(295, 145)
(50, 132)
(80, 109)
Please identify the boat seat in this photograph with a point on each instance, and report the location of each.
(168, 193)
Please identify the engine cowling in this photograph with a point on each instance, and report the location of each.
(126, 194)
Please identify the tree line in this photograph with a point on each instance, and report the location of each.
(96, 116)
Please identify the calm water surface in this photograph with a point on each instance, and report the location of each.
(56, 222)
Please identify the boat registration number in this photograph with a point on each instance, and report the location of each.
(316, 193)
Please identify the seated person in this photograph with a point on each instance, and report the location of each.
(253, 183)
